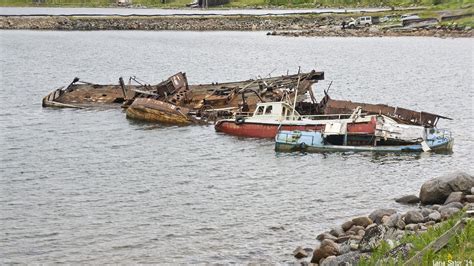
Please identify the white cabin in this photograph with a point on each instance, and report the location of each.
(276, 111)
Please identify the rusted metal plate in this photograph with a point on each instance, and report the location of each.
(408, 116)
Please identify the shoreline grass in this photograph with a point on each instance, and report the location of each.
(460, 247)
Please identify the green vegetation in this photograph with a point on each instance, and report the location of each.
(459, 249)
(435, 4)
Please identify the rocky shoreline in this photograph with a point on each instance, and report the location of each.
(440, 32)
(324, 25)
(439, 199)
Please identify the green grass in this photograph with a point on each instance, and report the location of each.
(434, 4)
(460, 248)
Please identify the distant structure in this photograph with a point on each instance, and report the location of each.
(123, 2)
(208, 3)
(38, 1)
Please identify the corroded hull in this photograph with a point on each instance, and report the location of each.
(152, 110)
(269, 130)
(258, 130)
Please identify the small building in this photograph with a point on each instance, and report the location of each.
(123, 2)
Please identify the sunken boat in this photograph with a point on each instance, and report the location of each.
(342, 123)
(197, 103)
(174, 101)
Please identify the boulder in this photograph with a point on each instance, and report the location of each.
(350, 258)
(385, 220)
(300, 253)
(457, 205)
(355, 229)
(469, 198)
(454, 197)
(400, 224)
(342, 239)
(426, 211)
(412, 227)
(377, 215)
(347, 225)
(323, 236)
(327, 248)
(362, 221)
(372, 238)
(392, 220)
(438, 189)
(434, 216)
(408, 199)
(472, 191)
(447, 212)
(413, 217)
(337, 231)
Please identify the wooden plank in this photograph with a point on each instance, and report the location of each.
(437, 244)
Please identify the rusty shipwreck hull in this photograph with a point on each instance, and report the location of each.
(327, 106)
(152, 110)
(175, 90)
(216, 100)
(90, 95)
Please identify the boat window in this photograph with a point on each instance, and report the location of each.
(260, 110)
(283, 112)
(268, 110)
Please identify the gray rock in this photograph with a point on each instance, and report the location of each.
(377, 215)
(435, 207)
(447, 212)
(426, 211)
(337, 231)
(342, 239)
(372, 238)
(385, 220)
(434, 216)
(362, 221)
(400, 251)
(350, 258)
(457, 205)
(472, 191)
(408, 199)
(438, 189)
(400, 224)
(344, 248)
(347, 225)
(469, 198)
(413, 217)
(412, 227)
(454, 197)
(299, 253)
(392, 220)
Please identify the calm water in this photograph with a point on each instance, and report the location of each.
(89, 186)
(166, 12)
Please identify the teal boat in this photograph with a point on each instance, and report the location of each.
(314, 141)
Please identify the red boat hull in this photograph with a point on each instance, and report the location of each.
(261, 130)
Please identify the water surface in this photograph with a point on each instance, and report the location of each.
(89, 186)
